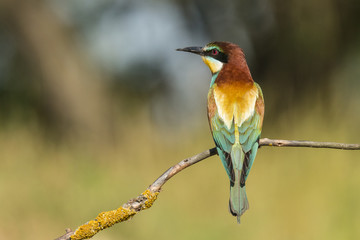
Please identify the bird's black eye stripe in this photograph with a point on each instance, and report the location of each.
(222, 57)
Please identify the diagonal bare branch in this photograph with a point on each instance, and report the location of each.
(147, 198)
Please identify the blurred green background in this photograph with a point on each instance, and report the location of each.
(95, 104)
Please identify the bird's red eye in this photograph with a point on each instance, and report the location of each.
(214, 52)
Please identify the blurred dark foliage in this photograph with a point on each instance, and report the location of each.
(292, 46)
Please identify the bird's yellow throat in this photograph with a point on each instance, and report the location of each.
(214, 65)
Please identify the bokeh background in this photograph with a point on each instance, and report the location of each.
(95, 103)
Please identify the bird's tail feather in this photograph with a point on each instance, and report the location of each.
(238, 202)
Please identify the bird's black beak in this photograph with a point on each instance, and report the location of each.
(196, 50)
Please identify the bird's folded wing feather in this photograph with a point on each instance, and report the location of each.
(249, 132)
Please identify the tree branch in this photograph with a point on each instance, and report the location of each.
(292, 143)
(147, 198)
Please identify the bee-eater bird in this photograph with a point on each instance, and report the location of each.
(235, 113)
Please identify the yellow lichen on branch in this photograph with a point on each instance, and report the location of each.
(151, 197)
(107, 219)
